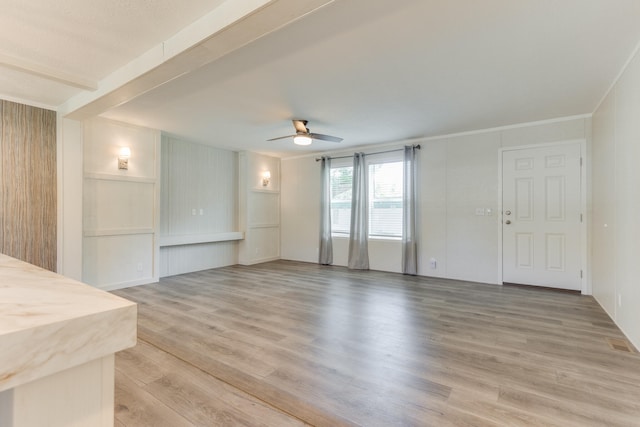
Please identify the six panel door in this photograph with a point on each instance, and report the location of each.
(541, 216)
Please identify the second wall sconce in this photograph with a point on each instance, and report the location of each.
(266, 177)
(123, 158)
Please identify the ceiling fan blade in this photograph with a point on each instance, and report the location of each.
(322, 137)
(300, 125)
(281, 137)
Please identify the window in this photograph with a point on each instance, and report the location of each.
(341, 178)
(385, 199)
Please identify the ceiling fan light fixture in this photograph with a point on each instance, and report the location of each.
(304, 137)
(302, 140)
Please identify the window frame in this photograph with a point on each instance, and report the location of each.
(392, 157)
(337, 164)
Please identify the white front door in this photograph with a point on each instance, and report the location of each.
(541, 216)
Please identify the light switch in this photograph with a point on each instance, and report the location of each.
(480, 211)
(193, 212)
(488, 211)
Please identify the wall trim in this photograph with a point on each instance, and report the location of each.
(28, 102)
(443, 136)
(117, 232)
(196, 239)
(272, 225)
(260, 260)
(631, 57)
(125, 178)
(128, 284)
(60, 183)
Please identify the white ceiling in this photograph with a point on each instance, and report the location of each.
(368, 71)
(83, 39)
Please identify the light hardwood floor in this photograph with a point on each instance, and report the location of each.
(290, 344)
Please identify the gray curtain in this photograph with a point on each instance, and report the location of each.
(358, 245)
(326, 246)
(409, 234)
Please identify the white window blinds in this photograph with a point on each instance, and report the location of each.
(341, 180)
(385, 199)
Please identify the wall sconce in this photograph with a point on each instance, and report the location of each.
(266, 177)
(123, 158)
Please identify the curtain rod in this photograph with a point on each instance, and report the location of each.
(369, 154)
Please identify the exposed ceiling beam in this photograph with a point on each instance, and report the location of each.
(227, 28)
(46, 73)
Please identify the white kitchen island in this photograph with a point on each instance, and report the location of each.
(57, 343)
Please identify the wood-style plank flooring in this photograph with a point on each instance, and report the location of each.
(291, 344)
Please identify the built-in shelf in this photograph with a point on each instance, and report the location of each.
(194, 239)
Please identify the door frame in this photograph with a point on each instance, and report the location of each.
(584, 241)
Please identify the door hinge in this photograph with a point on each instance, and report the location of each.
(580, 217)
(581, 274)
(580, 161)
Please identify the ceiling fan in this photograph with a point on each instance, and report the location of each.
(304, 137)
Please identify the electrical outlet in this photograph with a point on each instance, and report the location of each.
(433, 263)
(193, 212)
(139, 267)
(201, 212)
(619, 300)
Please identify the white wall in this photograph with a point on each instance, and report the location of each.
(120, 207)
(604, 205)
(457, 175)
(70, 179)
(300, 211)
(616, 202)
(259, 208)
(202, 180)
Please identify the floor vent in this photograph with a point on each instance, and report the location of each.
(620, 345)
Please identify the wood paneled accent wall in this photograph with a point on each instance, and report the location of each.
(199, 205)
(120, 207)
(28, 184)
(259, 209)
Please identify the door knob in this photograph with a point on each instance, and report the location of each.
(507, 222)
(507, 213)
